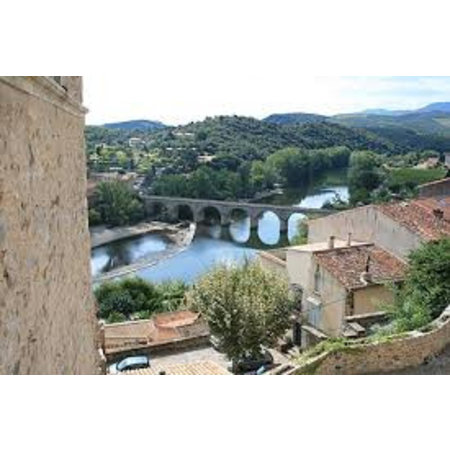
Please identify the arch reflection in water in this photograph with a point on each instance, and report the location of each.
(239, 228)
(269, 228)
(293, 225)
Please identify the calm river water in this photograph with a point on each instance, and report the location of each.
(213, 244)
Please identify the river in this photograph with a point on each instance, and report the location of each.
(213, 244)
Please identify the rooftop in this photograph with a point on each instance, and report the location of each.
(348, 264)
(428, 217)
(161, 329)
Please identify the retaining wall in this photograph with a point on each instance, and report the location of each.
(409, 350)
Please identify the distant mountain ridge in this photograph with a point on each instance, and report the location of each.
(142, 124)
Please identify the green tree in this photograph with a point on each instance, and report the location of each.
(291, 164)
(247, 308)
(364, 176)
(117, 203)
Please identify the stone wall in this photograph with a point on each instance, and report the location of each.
(47, 311)
(396, 353)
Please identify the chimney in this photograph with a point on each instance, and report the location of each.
(349, 240)
(438, 213)
(331, 242)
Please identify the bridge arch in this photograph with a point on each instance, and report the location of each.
(184, 211)
(210, 214)
(268, 227)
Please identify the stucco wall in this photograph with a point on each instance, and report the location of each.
(47, 311)
(271, 262)
(411, 350)
(371, 299)
(301, 267)
(367, 224)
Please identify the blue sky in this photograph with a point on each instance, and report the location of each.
(175, 98)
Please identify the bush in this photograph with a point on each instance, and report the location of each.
(247, 308)
(133, 298)
(426, 290)
(94, 217)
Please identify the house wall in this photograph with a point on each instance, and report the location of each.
(435, 189)
(367, 224)
(301, 268)
(371, 299)
(47, 311)
(271, 262)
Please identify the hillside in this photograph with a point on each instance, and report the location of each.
(421, 122)
(146, 125)
(295, 118)
(248, 138)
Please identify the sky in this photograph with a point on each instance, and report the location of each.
(181, 98)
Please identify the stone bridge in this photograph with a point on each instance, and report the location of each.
(225, 209)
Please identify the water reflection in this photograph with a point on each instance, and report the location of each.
(126, 251)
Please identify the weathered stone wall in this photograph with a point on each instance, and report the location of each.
(411, 350)
(47, 311)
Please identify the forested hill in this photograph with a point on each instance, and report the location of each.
(295, 118)
(248, 138)
(148, 125)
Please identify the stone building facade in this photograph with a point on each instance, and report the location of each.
(47, 311)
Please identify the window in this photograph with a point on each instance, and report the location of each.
(313, 312)
(317, 280)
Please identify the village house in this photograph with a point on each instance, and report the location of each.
(342, 281)
(344, 287)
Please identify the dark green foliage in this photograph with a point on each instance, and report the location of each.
(364, 176)
(426, 291)
(410, 178)
(134, 297)
(116, 204)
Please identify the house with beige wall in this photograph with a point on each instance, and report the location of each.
(343, 283)
(397, 227)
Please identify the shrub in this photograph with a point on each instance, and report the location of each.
(426, 291)
(138, 299)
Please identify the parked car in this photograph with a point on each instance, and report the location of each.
(130, 363)
(243, 365)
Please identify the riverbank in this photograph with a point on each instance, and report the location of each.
(180, 237)
(101, 235)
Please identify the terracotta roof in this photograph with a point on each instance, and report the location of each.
(421, 216)
(348, 264)
(161, 329)
(198, 368)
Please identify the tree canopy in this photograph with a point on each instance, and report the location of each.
(247, 308)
